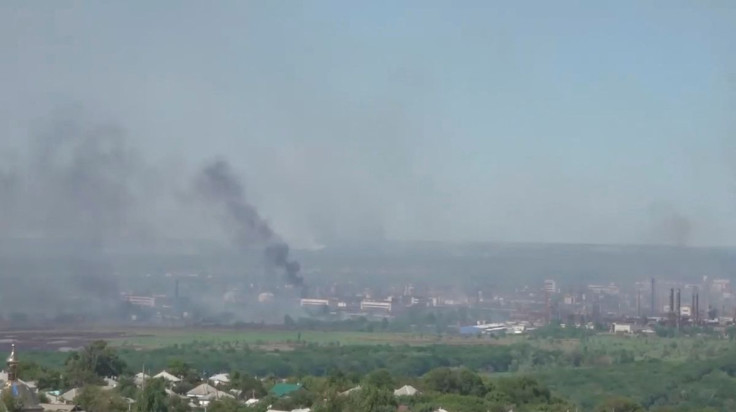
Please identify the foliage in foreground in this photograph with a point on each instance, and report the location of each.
(594, 375)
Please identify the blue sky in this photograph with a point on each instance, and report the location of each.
(602, 122)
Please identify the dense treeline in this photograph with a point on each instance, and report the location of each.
(689, 385)
(655, 373)
(459, 389)
(318, 360)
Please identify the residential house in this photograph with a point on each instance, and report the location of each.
(406, 390)
(284, 389)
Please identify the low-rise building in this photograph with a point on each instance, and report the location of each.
(311, 303)
(374, 305)
(622, 328)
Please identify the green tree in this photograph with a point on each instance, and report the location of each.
(183, 370)
(50, 379)
(177, 404)
(462, 382)
(371, 399)
(380, 378)
(336, 379)
(440, 380)
(11, 403)
(181, 388)
(127, 388)
(29, 370)
(731, 332)
(153, 398)
(96, 361)
(332, 402)
(619, 405)
(224, 405)
(520, 391)
(469, 383)
(250, 386)
(95, 399)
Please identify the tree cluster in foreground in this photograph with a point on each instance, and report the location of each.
(443, 376)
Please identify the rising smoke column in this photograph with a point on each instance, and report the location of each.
(218, 184)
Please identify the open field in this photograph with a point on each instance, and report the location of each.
(169, 337)
(265, 338)
(641, 348)
(151, 338)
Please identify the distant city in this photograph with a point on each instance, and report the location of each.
(488, 289)
(632, 308)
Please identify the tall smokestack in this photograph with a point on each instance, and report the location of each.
(672, 300)
(638, 303)
(677, 310)
(697, 306)
(653, 304)
(692, 307)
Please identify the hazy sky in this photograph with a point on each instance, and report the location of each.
(515, 121)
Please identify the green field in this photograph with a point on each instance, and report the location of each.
(157, 338)
(641, 348)
(149, 339)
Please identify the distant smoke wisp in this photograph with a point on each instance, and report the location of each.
(670, 226)
(678, 229)
(217, 184)
(74, 192)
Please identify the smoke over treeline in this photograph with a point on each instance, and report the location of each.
(82, 190)
(74, 191)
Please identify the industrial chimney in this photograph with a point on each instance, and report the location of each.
(692, 308)
(672, 301)
(653, 304)
(677, 310)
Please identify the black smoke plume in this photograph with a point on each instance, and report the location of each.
(218, 184)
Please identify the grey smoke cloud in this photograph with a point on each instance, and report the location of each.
(218, 184)
(75, 194)
(90, 173)
(671, 226)
(78, 183)
(83, 190)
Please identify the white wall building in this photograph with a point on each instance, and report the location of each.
(374, 305)
(622, 328)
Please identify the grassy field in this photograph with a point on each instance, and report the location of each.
(157, 338)
(642, 348)
(148, 339)
(670, 349)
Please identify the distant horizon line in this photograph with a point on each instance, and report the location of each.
(355, 242)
